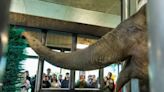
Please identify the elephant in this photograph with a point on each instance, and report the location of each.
(127, 43)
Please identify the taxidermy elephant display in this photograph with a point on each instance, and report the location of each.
(127, 42)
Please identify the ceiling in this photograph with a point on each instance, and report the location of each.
(105, 6)
(29, 18)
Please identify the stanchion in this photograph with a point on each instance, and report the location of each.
(156, 44)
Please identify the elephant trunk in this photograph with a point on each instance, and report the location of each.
(105, 51)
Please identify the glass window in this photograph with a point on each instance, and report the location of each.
(85, 41)
(54, 70)
(114, 69)
(87, 79)
(55, 77)
(30, 52)
(67, 51)
(30, 65)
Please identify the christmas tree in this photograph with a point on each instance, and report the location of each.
(15, 55)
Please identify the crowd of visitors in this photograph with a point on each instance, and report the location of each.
(53, 81)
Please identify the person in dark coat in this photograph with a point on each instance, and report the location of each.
(46, 83)
(65, 82)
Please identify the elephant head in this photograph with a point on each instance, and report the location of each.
(127, 42)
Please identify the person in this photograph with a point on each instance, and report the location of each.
(60, 78)
(26, 83)
(81, 83)
(65, 82)
(33, 80)
(55, 83)
(90, 81)
(27, 76)
(49, 74)
(46, 83)
(95, 82)
(109, 83)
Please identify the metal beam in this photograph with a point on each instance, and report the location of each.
(65, 13)
(55, 24)
(101, 78)
(124, 9)
(156, 44)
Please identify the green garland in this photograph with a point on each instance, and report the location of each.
(15, 55)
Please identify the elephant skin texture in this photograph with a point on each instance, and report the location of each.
(127, 42)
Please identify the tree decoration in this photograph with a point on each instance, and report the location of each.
(15, 55)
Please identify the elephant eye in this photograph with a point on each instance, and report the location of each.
(134, 29)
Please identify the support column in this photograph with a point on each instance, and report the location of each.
(124, 9)
(3, 50)
(4, 9)
(38, 84)
(133, 6)
(72, 77)
(62, 50)
(101, 78)
(156, 44)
